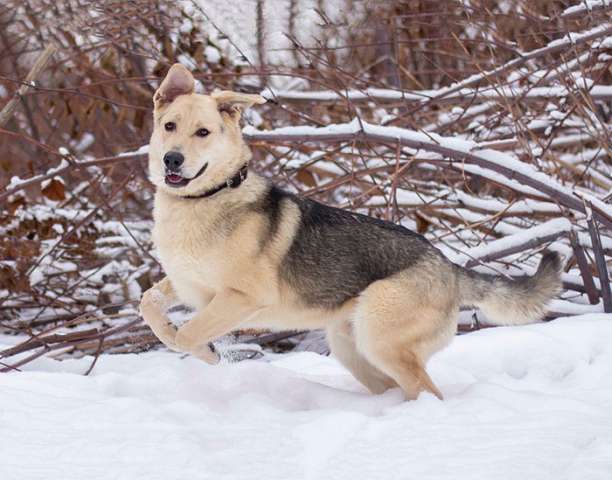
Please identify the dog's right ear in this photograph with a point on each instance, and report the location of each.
(233, 103)
(178, 81)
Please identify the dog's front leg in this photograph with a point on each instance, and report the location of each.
(226, 311)
(154, 304)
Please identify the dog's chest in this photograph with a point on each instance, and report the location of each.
(190, 248)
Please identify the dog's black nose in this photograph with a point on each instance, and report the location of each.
(173, 160)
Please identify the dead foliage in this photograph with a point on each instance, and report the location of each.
(517, 78)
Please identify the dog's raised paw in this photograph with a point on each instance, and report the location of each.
(207, 354)
(185, 343)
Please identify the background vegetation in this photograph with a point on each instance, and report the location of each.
(505, 109)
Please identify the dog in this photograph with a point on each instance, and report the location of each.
(246, 254)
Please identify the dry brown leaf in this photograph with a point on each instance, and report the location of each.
(54, 190)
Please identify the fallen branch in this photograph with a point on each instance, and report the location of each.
(56, 342)
(48, 340)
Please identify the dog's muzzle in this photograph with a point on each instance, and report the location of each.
(173, 179)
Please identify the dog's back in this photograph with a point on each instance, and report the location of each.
(336, 254)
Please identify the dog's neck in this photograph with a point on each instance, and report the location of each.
(249, 191)
(233, 182)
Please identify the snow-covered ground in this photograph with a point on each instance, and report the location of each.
(531, 402)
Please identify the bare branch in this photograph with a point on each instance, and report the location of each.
(37, 68)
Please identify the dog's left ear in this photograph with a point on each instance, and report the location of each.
(234, 102)
(178, 81)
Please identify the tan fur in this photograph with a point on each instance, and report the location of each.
(402, 320)
(214, 259)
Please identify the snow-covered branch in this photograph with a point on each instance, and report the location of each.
(586, 7)
(526, 239)
(465, 95)
(455, 149)
(17, 184)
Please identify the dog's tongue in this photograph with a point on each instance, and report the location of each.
(174, 178)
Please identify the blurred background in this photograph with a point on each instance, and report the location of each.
(504, 149)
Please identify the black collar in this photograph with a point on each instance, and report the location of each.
(233, 182)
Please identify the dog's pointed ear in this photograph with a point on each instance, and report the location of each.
(178, 81)
(234, 102)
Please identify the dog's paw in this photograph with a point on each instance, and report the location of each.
(168, 339)
(185, 343)
(207, 353)
(153, 299)
(167, 335)
(158, 322)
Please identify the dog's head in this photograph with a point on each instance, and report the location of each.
(197, 141)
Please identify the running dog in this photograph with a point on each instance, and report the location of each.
(246, 254)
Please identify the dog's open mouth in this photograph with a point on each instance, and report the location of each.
(176, 180)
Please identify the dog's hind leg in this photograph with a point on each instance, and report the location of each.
(402, 320)
(410, 373)
(342, 344)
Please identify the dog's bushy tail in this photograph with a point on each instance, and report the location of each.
(512, 302)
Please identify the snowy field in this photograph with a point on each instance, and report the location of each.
(532, 402)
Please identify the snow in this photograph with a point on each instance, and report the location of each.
(16, 181)
(86, 141)
(351, 127)
(573, 37)
(584, 7)
(212, 54)
(523, 206)
(495, 92)
(448, 197)
(521, 402)
(143, 150)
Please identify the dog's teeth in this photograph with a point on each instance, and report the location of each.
(174, 178)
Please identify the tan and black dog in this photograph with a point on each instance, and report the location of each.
(244, 253)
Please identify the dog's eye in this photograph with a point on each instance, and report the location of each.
(170, 126)
(202, 132)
